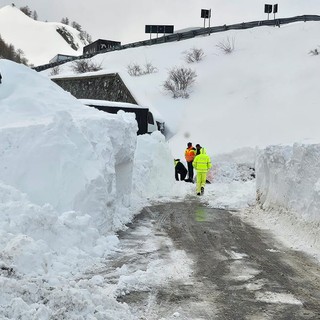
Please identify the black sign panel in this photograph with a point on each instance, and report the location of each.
(275, 8)
(151, 29)
(159, 29)
(168, 29)
(267, 8)
(205, 13)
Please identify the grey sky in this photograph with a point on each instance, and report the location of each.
(124, 20)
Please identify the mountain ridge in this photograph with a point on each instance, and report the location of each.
(52, 38)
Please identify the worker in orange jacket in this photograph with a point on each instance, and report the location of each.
(189, 154)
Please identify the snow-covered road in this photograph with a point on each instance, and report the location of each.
(236, 271)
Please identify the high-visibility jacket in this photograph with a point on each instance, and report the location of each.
(190, 153)
(202, 162)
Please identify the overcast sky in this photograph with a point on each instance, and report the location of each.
(125, 20)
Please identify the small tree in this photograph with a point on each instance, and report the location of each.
(35, 15)
(8, 51)
(76, 25)
(20, 58)
(227, 45)
(85, 36)
(194, 55)
(85, 65)
(65, 21)
(180, 81)
(26, 10)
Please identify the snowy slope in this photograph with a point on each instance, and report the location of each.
(264, 92)
(39, 40)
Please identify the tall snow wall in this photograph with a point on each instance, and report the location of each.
(59, 152)
(288, 178)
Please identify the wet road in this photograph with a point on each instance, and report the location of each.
(240, 272)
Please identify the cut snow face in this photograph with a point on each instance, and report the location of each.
(62, 161)
(62, 170)
(63, 145)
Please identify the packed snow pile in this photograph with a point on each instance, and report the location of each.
(288, 178)
(59, 152)
(70, 176)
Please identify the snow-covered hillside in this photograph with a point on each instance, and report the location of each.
(40, 41)
(264, 92)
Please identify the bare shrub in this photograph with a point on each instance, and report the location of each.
(149, 68)
(136, 70)
(227, 45)
(194, 55)
(85, 65)
(314, 52)
(180, 81)
(55, 70)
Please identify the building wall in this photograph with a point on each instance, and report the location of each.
(101, 87)
(100, 45)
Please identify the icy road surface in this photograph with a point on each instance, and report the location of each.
(238, 271)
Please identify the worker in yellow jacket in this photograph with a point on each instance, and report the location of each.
(202, 164)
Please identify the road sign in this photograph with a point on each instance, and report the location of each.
(159, 29)
(168, 29)
(275, 8)
(268, 8)
(205, 13)
(151, 29)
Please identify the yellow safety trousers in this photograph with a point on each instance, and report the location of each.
(201, 180)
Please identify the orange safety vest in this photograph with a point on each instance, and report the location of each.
(190, 153)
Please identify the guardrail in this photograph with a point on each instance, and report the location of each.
(188, 35)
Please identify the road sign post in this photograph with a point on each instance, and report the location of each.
(205, 14)
(165, 29)
(268, 9)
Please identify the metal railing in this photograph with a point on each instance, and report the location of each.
(188, 35)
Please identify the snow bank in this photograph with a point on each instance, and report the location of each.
(153, 160)
(70, 176)
(61, 153)
(288, 178)
(61, 175)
